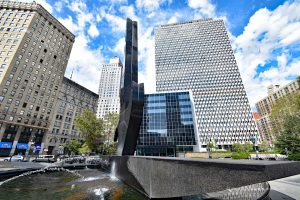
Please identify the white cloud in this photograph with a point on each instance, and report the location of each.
(85, 63)
(70, 24)
(129, 12)
(93, 31)
(58, 6)
(119, 47)
(147, 57)
(268, 32)
(116, 23)
(205, 7)
(78, 6)
(149, 5)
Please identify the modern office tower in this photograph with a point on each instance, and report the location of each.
(197, 56)
(72, 100)
(109, 88)
(34, 51)
(264, 107)
(131, 95)
(168, 125)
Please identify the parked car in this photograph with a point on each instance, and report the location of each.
(5, 159)
(44, 158)
(75, 159)
(16, 158)
(62, 157)
(93, 160)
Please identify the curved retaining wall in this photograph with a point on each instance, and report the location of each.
(160, 177)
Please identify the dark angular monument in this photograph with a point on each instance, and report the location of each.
(132, 95)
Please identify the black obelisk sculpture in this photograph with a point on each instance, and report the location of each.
(131, 95)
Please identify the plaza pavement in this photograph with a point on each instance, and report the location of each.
(286, 188)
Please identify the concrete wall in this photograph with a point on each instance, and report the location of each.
(159, 177)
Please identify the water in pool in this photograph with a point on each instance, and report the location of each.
(89, 184)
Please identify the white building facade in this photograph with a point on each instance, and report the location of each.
(197, 56)
(109, 88)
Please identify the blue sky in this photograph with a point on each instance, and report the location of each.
(265, 36)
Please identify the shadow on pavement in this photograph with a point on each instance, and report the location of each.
(275, 195)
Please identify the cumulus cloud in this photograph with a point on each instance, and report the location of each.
(116, 23)
(93, 30)
(266, 38)
(205, 7)
(149, 5)
(264, 51)
(84, 61)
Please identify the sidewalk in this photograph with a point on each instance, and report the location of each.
(285, 188)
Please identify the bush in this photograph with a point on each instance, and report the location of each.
(294, 156)
(240, 155)
(238, 147)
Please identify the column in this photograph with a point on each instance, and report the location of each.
(12, 151)
(2, 129)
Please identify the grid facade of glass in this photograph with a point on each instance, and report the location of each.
(197, 56)
(168, 124)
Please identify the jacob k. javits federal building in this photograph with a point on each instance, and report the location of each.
(200, 95)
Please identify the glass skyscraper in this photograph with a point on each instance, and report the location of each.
(197, 56)
(168, 124)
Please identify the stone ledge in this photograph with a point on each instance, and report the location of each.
(162, 177)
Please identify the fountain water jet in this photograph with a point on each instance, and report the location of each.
(113, 171)
(43, 170)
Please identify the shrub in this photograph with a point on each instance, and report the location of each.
(294, 156)
(240, 155)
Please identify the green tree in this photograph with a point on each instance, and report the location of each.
(91, 128)
(263, 146)
(111, 121)
(289, 140)
(210, 145)
(73, 146)
(109, 148)
(85, 149)
(284, 107)
(247, 147)
(237, 147)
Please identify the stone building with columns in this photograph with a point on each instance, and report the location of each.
(72, 100)
(34, 52)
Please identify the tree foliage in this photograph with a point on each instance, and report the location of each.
(111, 121)
(73, 146)
(85, 149)
(285, 118)
(210, 145)
(109, 148)
(284, 107)
(238, 147)
(91, 128)
(263, 146)
(289, 140)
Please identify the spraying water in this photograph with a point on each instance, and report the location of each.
(113, 171)
(43, 170)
